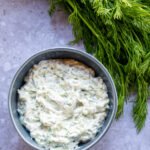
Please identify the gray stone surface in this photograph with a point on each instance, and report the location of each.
(25, 29)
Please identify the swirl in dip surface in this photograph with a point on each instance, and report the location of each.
(62, 103)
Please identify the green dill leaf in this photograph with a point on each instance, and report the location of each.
(117, 33)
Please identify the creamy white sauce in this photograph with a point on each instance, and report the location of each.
(62, 104)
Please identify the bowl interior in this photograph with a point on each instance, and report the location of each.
(62, 53)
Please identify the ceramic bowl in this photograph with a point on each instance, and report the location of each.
(57, 53)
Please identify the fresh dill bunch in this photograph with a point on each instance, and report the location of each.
(117, 32)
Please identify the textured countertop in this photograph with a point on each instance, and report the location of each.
(25, 29)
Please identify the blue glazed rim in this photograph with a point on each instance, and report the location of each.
(111, 117)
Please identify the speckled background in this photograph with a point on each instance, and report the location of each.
(25, 29)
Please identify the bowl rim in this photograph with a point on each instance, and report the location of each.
(82, 53)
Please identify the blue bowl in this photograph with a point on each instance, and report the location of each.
(57, 53)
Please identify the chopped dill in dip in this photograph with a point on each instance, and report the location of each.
(62, 103)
